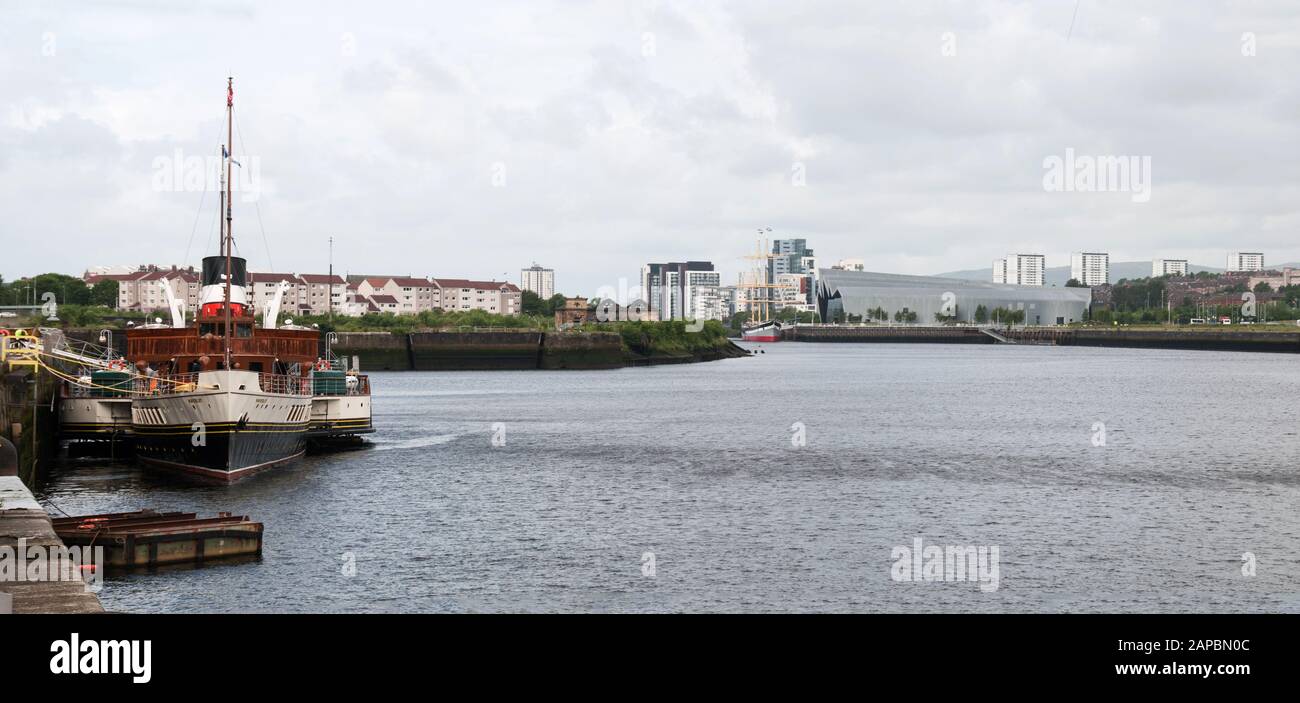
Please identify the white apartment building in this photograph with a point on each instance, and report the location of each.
(462, 294)
(306, 294)
(792, 291)
(1090, 268)
(741, 300)
(670, 289)
(355, 304)
(706, 303)
(413, 295)
(538, 280)
(143, 290)
(1168, 267)
(702, 298)
(383, 302)
(262, 287)
(850, 265)
(323, 293)
(1245, 261)
(727, 301)
(1020, 269)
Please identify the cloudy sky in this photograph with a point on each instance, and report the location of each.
(471, 139)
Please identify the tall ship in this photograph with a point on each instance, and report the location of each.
(769, 331)
(219, 397)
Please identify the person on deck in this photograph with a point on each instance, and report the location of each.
(143, 368)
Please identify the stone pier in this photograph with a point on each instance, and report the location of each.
(22, 518)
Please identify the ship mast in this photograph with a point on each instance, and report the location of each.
(230, 102)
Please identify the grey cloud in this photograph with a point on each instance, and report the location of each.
(916, 161)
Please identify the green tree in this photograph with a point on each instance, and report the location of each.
(531, 303)
(104, 293)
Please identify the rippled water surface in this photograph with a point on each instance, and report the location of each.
(956, 445)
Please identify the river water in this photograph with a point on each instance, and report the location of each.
(1107, 479)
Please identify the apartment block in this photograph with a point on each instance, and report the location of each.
(143, 289)
(305, 294)
(1168, 267)
(413, 295)
(1090, 268)
(793, 291)
(1245, 261)
(1020, 269)
(464, 294)
(417, 295)
(671, 289)
(792, 256)
(539, 280)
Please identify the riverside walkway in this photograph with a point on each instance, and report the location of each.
(22, 518)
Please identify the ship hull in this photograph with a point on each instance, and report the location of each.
(226, 455)
(87, 418)
(767, 332)
(220, 435)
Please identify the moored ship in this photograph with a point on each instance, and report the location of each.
(221, 397)
(763, 332)
(224, 398)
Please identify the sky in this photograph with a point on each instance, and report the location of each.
(470, 140)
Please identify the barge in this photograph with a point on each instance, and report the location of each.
(150, 538)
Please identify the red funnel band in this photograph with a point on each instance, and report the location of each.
(210, 309)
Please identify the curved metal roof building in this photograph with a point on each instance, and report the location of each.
(842, 293)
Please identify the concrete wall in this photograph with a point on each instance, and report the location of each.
(26, 419)
(441, 351)
(590, 350)
(379, 351)
(1237, 338)
(22, 518)
(896, 335)
(495, 350)
(1227, 339)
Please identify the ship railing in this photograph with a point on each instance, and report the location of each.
(169, 384)
(172, 384)
(136, 385)
(280, 383)
(362, 386)
(350, 384)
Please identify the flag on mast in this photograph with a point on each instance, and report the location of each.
(226, 155)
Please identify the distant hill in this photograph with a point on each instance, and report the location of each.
(1058, 275)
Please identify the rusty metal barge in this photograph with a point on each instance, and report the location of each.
(149, 538)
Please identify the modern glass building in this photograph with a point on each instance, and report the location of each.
(843, 293)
